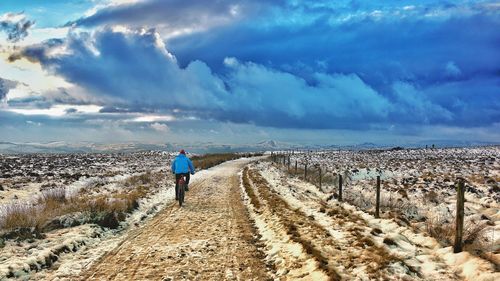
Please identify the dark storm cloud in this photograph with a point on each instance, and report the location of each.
(171, 15)
(135, 68)
(5, 86)
(295, 66)
(16, 26)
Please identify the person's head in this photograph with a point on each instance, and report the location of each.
(182, 152)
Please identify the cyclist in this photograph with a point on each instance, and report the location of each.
(182, 166)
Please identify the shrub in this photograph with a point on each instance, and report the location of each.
(209, 160)
(142, 179)
(442, 228)
(432, 196)
(21, 216)
(106, 211)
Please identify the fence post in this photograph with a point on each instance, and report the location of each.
(377, 206)
(288, 163)
(319, 177)
(340, 187)
(305, 172)
(459, 224)
(284, 159)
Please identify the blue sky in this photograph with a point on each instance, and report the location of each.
(323, 72)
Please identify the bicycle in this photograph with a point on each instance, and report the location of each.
(180, 190)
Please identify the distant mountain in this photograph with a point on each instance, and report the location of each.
(89, 147)
(77, 147)
(202, 147)
(454, 143)
(367, 145)
(267, 145)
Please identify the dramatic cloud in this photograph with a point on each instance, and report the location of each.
(398, 66)
(16, 26)
(421, 49)
(5, 87)
(170, 17)
(244, 92)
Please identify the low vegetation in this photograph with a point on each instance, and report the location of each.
(55, 209)
(474, 236)
(209, 160)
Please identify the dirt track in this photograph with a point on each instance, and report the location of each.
(214, 237)
(209, 238)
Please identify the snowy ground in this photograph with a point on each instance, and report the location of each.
(208, 238)
(23, 177)
(64, 252)
(307, 235)
(246, 221)
(418, 187)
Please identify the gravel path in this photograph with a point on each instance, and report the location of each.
(209, 238)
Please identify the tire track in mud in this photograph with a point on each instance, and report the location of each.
(413, 256)
(209, 238)
(353, 254)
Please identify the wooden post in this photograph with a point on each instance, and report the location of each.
(295, 166)
(305, 172)
(459, 224)
(340, 187)
(284, 160)
(288, 163)
(319, 177)
(377, 206)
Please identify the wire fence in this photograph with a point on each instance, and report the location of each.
(377, 195)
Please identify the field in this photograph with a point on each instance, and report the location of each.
(113, 216)
(418, 188)
(52, 204)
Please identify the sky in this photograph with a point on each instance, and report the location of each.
(243, 71)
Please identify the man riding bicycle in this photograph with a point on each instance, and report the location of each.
(182, 167)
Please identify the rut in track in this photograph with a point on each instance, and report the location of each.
(209, 238)
(338, 258)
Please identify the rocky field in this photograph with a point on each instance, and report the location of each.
(418, 188)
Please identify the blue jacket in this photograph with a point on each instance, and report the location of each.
(182, 164)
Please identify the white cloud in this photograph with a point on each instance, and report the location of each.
(154, 118)
(58, 110)
(160, 127)
(452, 69)
(30, 74)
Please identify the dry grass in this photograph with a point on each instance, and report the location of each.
(43, 214)
(209, 160)
(290, 217)
(432, 196)
(21, 216)
(249, 190)
(141, 179)
(474, 235)
(300, 227)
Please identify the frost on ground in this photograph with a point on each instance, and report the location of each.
(338, 241)
(253, 223)
(419, 188)
(71, 241)
(208, 238)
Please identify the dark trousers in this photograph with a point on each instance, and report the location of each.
(178, 177)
